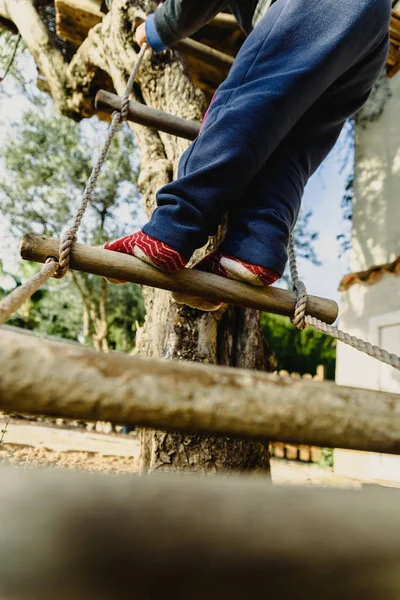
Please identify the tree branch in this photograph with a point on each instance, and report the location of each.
(49, 60)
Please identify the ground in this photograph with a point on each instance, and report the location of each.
(58, 444)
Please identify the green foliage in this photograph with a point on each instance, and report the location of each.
(304, 238)
(3, 432)
(326, 458)
(299, 351)
(47, 160)
(126, 311)
(11, 47)
(55, 309)
(344, 238)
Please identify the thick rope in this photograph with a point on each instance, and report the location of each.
(70, 236)
(354, 342)
(302, 320)
(13, 301)
(298, 318)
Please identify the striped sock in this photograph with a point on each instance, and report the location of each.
(231, 268)
(148, 249)
(247, 272)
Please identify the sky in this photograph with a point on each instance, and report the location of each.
(322, 196)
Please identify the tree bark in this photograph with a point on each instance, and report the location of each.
(170, 331)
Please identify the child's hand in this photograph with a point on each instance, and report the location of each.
(141, 34)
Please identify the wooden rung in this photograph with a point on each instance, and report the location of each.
(150, 117)
(68, 380)
(202, 52)
(207, 55)
(121, 266)
(225, 21)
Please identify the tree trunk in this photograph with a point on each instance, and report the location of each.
(230, 336)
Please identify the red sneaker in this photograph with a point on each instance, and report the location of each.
(149, 250)
(231, 268)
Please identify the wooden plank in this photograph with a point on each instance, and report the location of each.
(225, 21)
(277, 449)
(150, 117)
(64, 380)
(305, 453)
(75, 18)
(209, 56)
(127, 268)
(315, 454)
(393, 60)
(291, 452)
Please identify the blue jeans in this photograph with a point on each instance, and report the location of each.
(306, 67)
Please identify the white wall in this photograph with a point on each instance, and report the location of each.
(376, 236)
(371, 312)
(376, 206)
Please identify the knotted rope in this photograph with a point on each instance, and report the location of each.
(70, 236)
(13, 301)
(302, 320)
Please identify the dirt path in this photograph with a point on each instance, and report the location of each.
(33, 444)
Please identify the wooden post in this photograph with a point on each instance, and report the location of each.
(225, 21)
(127, 268)
(207, 55)
(66, 380)
(150, 117)
(70, 535)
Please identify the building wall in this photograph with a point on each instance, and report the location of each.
(376, 206)
(376, 237)
(372, 312)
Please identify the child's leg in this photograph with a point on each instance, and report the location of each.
(296, 53)
(259, 226)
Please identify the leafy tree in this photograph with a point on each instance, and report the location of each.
(49, 311)
(299, 351)
(344, 238)
(47, 160)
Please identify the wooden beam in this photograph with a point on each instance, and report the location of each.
(69, 535)
(150, 117)
(63, 380)
(115, 265)
(225, 21)
(393, 60)
(75, 18)
(205, 54)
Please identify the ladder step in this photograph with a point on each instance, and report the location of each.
(149, 117)
(115, 265)
(51, 378)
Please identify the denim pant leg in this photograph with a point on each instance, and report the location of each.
(260, 224)
(294, 55)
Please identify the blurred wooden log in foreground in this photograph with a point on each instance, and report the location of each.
(67, 535)
(51, 378)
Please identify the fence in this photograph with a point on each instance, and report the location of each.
(301, 453)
